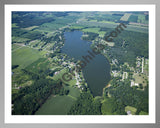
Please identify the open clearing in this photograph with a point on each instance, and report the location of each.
(141, 79)
(106, 108)
(56, 105)
(131, 109)
(74, 92)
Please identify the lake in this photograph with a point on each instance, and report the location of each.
(97, 71)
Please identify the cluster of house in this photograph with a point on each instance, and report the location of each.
(140, 63)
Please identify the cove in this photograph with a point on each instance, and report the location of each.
(97, 72)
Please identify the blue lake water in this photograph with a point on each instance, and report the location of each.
(97, 71)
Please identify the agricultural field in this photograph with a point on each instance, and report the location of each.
(15, 47)
(30, 28)
(25, 56)
(56, 105)
(137, 29)
(49, 27)
(76, 27)
(40, 64)
(19, 39)
(95, 30)
(112, 26)
(97, 24)
(142, 19)
(125, 17)
(56, 24)
(110, 22)
(133, 18)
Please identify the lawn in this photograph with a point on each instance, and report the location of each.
(132, 109)
(60, 74)
(25, 56)
(140, 78)
(56, 105)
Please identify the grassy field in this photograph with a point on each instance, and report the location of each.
(95, 30)
(60, 74)
(133, 18)
(14, 25)
(141, 19)
(110, 22)
(19, 39)
(101, 33)
(56, 105)
(143, 113)
(132, 109)
(48, 27)
(15, 46)
(74, 92)
(140, 79)
(30, 28)
(24, 56)
(59, 105)
(76, 27)
(113, 26)
(40, 64)
(106, 108)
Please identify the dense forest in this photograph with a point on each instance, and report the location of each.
(86, 105)
(123, 95)
(129, 45)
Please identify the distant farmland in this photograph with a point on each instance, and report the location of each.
(24, 56)
(59, 105)
(125, 17)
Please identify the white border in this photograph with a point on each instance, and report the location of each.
(79, 119)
